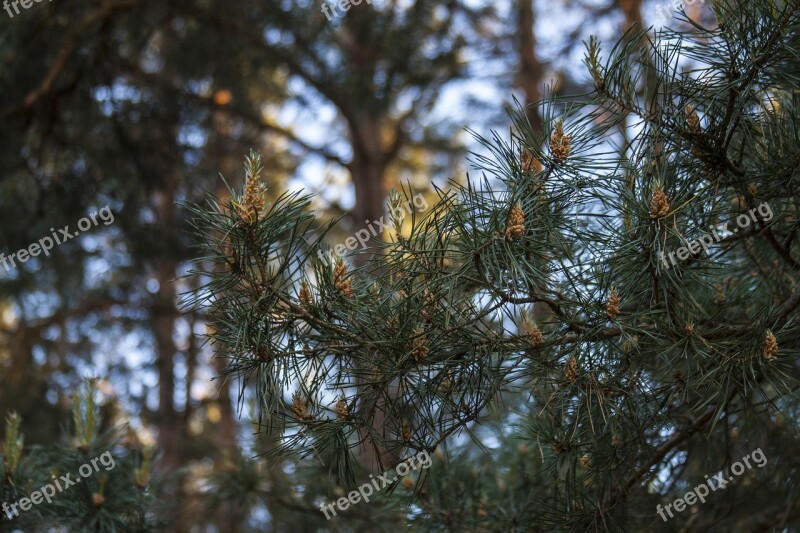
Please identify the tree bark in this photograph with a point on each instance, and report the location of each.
(531, 72)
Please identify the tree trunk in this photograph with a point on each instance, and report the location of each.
(367, 169)
(530, 69)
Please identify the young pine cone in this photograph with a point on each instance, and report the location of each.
(659, 204)
(692, 120)
(515, 226)
(560, 143)
(406, 432)
(300, 409)
(341, 281)
(535, 336)
(612, 306)
(252, 202)
(342, 411)
(530, 163)
(571, 370)
(306, 300)
(770, 348)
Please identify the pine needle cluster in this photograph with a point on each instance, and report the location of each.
(632, 372)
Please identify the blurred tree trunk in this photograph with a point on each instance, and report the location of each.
(531, 72)
(163, 313)
(368, 167)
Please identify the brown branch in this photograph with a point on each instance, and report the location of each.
(677, 438)
(66, 50)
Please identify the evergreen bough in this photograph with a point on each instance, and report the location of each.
(534, 299)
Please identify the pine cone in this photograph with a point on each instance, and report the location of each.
(571, 370)
(535, 336)
(406, 432)
(530, 163)
(770, 348)
(659, 204)
(692, 120)
(306, 300)
(340, 280)
(560, 143)
(252, 202)
(612, 306)
(342, 411)
(515, 227)
(300, 409)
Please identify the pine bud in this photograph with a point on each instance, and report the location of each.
(408, 483)
(770, 349)
(659, 204)
(612, 306)
(530, 163)
(406, 432)
(306, 300)
(593, 58)
(692, 120)
(230, 258)
(535, 336)
(428, 306)
(252, 201)
(299, 407)
(571, 370)
(560, 143)
(341, 281)
(515, 227)
(98, 499)
(342, 411)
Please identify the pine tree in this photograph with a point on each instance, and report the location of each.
(95, 481)
(668, 350)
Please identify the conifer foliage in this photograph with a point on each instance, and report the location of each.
(97, 480)
(542, 297)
